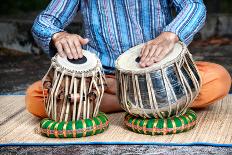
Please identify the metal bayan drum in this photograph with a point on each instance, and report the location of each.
(165, 89)
(81, 80)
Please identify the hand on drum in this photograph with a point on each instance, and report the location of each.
(69, 45)
(156, 49)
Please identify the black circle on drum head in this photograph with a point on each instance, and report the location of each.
(138, 59)
(78, 61)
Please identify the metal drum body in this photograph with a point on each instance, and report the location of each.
(162, 90)
(64, 80)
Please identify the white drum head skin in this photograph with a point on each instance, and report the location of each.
(90, 64)
(126, 61)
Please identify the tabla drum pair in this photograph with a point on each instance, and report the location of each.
(157, 98)
(73, 90)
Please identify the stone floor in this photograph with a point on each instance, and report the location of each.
(116, 149)
(19, 70)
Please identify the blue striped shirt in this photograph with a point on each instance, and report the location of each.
(114, 26)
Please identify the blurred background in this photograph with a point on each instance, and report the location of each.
(22, 62)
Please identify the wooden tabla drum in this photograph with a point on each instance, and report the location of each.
(73, 90)
(162, 90)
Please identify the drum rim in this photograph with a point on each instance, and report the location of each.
(87, 73)
(151, 68)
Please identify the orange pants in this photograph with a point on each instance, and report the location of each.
(216, 83)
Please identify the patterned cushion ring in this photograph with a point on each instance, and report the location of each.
(74, 129)
(154, 126)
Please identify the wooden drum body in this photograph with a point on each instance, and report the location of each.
(165, 89)
(73, 89)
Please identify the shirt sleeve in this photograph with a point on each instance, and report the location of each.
(53, 19)
(191, 15)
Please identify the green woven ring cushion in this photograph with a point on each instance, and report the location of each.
(74, 129)
(154, 126)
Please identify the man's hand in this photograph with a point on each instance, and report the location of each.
(69, 44)
(156, 49)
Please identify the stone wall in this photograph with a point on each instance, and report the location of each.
(217, 25)
(16, 34)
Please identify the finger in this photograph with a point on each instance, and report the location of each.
(152, 50)
(143, 56)
(73, 49)
(78, 48)
(150, 62)
(141, 52)
(60, 50)
(82, 40)
(145, 52)
(157, 53)
(67, 50)
(162, 54)
(148, 58)
(151, 55)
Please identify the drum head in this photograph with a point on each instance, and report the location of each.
(127, 61)
(85, 64)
